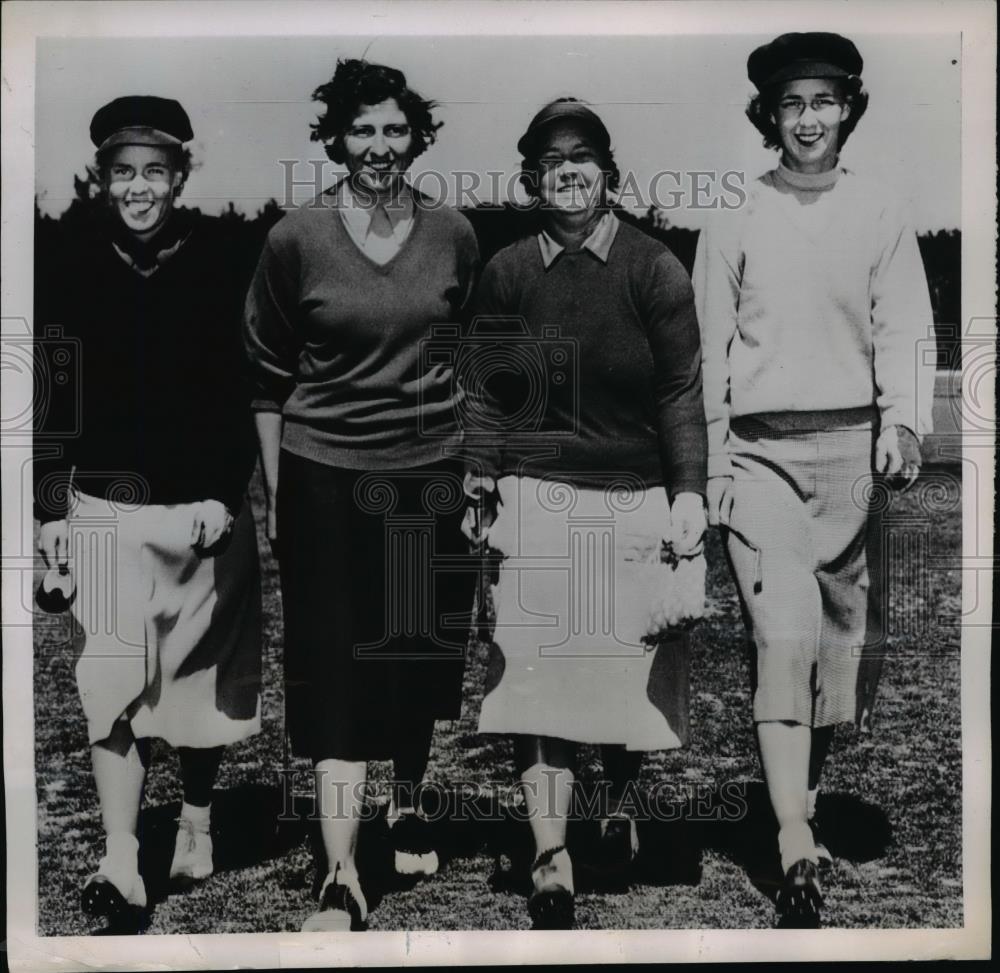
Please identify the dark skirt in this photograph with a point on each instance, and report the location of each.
(377, 586)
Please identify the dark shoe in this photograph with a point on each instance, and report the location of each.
(414, 853)
(341, 909)
(551, 905)
(800, 897)
(103, 899)
(617, 848)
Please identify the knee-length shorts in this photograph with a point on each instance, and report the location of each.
(805, 550)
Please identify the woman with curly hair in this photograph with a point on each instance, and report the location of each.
(813, 306)
(147, 502)
(357, 427)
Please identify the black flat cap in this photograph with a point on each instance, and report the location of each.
(140, 120)
(812, 55)
(563, 110)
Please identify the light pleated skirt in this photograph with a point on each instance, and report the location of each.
(171, 641)
(590, 640)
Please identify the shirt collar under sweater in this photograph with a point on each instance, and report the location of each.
(357, 212)
(598, 243)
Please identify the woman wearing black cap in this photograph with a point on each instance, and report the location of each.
(357, 423)
(813, 305)
(600, 474)
(140, 474)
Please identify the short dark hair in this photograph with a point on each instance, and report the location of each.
(180, 158)
(763, 106)
(531, 171)
(355, 83)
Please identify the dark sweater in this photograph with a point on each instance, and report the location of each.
(145, 385)
(351, 352)
(617, 353)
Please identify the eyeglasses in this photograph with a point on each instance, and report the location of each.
(794, 107)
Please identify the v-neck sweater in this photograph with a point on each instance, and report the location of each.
(355, 354)
(151, 403)
(813, 298)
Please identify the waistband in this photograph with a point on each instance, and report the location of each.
(820, 420)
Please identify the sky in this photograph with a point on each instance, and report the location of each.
(672, 104)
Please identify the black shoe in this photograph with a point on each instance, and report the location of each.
(339, 911)
(617, 848)
(102, 899)
(414, 852)
(800, 897)
(551, 904)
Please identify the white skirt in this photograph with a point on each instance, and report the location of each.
(590, 642)
(171, 641)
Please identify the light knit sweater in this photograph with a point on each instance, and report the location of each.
(811, 298)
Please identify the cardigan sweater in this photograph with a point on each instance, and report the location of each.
(813, 298)
(355, 355)
(591, 368)
(145, 396)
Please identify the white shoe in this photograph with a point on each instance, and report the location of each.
(411, 841)
(192, 853)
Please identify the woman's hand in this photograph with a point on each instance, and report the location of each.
(212, 524)
(687, 523)
(482, 511)
(897, 456)
(720, 500)
(53, 543)
(272, 521)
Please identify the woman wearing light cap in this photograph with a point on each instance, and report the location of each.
(146, 502)
(814, 309)
(602, 486)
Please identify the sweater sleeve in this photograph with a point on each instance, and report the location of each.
(269, 333)
(902, 329)
(56, 413)
(483, 406)
(234, 455)
(717, 287)
(672, 330)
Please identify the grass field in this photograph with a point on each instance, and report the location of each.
(892, 801)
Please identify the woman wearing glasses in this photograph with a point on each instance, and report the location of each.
(813, 306)
(356, 421)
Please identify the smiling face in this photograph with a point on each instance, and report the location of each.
(142, 182)
(808, 113)
(570, 178)
(379, 145)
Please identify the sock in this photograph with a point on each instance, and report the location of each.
(200, 817)
(123, 849)
(795, 842)
(120, 865)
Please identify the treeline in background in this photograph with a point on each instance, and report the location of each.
(497, 225)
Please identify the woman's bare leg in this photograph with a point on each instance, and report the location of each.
(784, 750)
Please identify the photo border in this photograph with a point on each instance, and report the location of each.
(23, 22)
